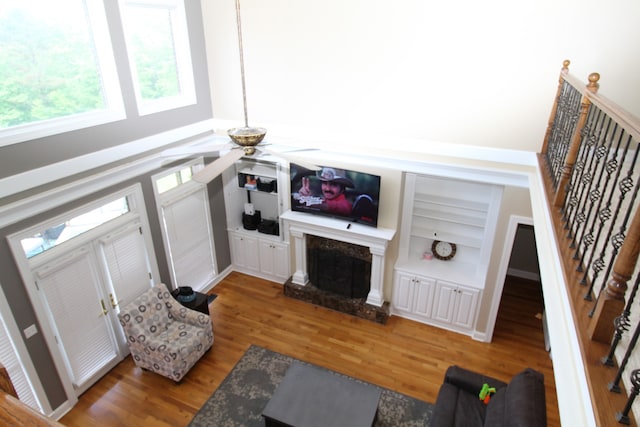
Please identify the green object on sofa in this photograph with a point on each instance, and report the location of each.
(163, 336)
(521, 402)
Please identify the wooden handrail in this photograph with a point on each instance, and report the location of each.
(5, 382)
(15, 413)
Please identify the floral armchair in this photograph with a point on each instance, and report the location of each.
(163, 336)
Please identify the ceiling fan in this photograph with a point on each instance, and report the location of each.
(245, 140)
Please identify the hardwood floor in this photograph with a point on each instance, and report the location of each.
(402, 355)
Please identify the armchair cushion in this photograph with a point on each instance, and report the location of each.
(163, 336)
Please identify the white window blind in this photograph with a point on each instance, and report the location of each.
(127, 262)
(190, 239)
(70, 286)
(9, 359)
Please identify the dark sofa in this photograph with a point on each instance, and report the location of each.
(520, 403)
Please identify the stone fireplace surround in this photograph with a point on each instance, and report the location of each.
(298, 225)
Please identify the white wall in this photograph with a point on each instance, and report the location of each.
(467, 72)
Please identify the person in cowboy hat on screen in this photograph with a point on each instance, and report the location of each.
(334, 183)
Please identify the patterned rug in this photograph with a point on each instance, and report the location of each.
(244, 393)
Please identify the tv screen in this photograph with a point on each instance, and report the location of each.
(334, 192)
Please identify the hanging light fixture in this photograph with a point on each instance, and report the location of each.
(247, 137)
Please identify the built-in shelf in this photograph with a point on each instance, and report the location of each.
(464, 213)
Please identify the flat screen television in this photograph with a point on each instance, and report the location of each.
(339, 193)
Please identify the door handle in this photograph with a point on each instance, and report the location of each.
(104, 308)
(114, 304)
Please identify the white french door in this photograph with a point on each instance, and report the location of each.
(82, 292)
(78, 281)
(71, 292)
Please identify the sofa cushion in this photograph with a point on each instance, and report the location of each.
(444, 412)
(494, 415)
(525, 403)
(457, 408)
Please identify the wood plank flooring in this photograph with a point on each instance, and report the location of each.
(402, 355)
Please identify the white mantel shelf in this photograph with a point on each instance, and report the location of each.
(376, 239)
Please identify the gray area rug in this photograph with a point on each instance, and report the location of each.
(244, 393)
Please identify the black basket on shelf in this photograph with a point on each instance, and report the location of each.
(269, 226)
(265, 185)
(251, 222)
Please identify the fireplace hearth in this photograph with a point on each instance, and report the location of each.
(354, 306)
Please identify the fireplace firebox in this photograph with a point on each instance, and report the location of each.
(339, 267)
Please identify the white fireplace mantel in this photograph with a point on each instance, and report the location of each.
(376, 239)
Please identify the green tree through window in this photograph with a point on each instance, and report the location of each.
(48, 65)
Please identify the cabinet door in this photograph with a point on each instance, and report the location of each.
(244, 252)
(423, 296)
(274, 260)
(444, 302)
(465, 311)
(403, 292)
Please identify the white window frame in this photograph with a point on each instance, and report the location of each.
(182, 51)
(114, 109)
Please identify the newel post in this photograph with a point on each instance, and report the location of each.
(612, 302)
(576, 139)
(554, 109)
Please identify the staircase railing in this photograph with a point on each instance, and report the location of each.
(590, 153)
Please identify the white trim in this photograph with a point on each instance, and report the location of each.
(13, 212)
(512, 228)
(574, 399)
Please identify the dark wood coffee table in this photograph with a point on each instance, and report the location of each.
(309, 396)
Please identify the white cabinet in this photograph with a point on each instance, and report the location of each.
(244, 252)
(260, 256)
(436, 302)
(413, 295)
(274, 260)
(455, 305)
(463, 213)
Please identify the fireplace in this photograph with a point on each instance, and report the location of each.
(364, 246)
(339, 267)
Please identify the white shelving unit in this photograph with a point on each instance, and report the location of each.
(444, 293)
(252, 252)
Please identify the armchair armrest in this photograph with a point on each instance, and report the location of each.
(186, 315)
(470, 381)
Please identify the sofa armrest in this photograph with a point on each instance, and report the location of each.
(470, 381)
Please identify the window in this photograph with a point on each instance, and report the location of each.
(57, 68)
(174, 179)
(53, 236)
(159, 53)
